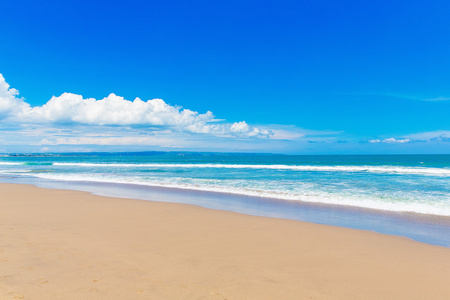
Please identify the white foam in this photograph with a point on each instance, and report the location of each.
(305, 168)
(312, 168)
(440, 208)
(13, 171)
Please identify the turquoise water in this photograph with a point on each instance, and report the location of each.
(418, 185)
(410, 183)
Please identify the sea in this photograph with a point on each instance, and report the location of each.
(405, 195)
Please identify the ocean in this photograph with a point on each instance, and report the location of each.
(405, 195)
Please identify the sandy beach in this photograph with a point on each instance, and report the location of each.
(58, 244)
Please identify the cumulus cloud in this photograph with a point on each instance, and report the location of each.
(116, 111)
(9, 102)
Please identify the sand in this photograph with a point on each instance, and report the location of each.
(57, 244)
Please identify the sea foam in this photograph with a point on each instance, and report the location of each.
(371, 169)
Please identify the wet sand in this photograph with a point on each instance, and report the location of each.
(58, 244)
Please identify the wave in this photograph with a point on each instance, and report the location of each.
(5, 163)
(365, 200)
(312, 168)
(300, 168)
(305, 168)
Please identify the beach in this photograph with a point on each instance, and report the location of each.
(59, 244)
(404, 195)
(224, 150)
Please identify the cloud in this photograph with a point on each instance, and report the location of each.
(439, 136)
(437, 99)
(434, 99)
(391, 141)
(9, 102)
(114, 110)
(292, 132)
(70, 122)
(100, 141)
(401, 96)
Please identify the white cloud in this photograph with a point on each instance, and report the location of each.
(116, 111)
(391, 141)
(9, 102)
(431, 136)
(438, 136)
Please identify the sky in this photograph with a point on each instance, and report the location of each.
(295, 77)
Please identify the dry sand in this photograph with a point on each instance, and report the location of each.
(57, 244)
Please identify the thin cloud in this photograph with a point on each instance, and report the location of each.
(439, 136)
(437, 99)
(292, 132)
(402, 96)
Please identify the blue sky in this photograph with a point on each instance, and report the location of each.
(313, 77)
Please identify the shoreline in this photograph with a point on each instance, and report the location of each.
(70, 245)
(430, 229)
